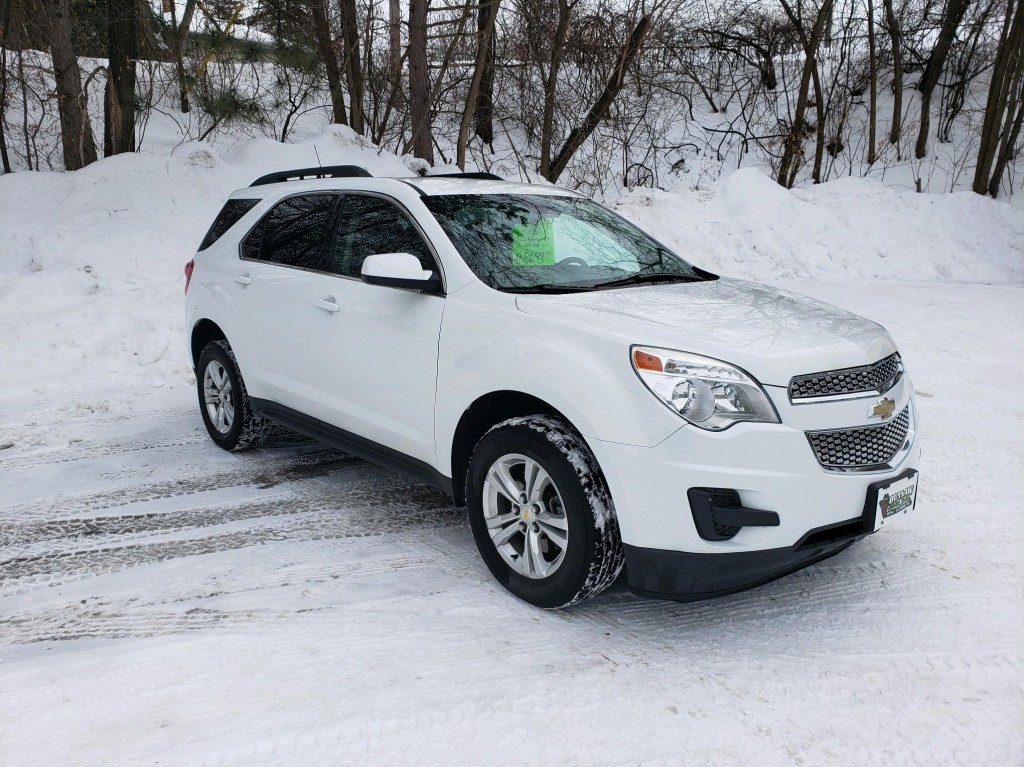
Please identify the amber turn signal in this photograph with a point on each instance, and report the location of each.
(645, 361)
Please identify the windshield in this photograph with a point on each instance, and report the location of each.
(525, 242)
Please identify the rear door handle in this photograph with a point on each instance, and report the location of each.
(243, 279)
(327, 304)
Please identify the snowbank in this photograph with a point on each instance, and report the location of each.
(91, 267)
(91, 262)
(853, 228)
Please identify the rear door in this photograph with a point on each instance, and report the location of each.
(272, 285)
(373, 358)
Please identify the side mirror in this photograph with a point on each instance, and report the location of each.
(398, 270)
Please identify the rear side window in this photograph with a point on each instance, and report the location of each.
(229, 215)
(368, 226)
(292, 234)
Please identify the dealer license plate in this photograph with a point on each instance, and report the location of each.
(898, 497)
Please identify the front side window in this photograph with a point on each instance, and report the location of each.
(292, 234)
(369, 226)
(539, 242)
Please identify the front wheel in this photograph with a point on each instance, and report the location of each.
(541, 513)
(224, 402)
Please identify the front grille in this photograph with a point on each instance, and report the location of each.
(867, 378)
(861, 449)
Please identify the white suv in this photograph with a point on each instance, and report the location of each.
(594, 399)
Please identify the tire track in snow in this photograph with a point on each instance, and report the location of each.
(261, 471)
(171, 613)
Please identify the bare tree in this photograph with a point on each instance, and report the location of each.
(896, 41)
(627, 55)
(1004, 109)
(395, 35)
(794, 142)
(76, 132)
(872, 84)
(565, 8)
(5, 25)
(178, 35)
(122, 47)
(353, 63)
(419, 82)
(483, 48)
(483, 104)
(951, 18)
(325, 46)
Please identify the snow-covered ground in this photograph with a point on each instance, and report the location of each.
(162, 601)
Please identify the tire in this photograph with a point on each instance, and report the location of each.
(240, 428)
(568, 516)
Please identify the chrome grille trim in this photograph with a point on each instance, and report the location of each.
(865, 448)
(847, 383)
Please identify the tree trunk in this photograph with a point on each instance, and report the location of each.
(1008, 147)
(819, 133)
(122, 46)
(768, 77)
(353, 64)
(484, 102)
(76, 132)
(5, 25)
(793, 148)
(419, 82)
(1004, 96)
(472, 98)
(548, 120)
(872, 85)
(951, 19)
(395, 47)
(630, 50)
(181, 31)
(325, 44)
(896, 40)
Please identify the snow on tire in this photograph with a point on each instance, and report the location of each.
(224, 402)
(541, 512)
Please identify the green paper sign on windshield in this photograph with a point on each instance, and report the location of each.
(533, 244)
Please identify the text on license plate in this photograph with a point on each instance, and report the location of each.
(898, 497)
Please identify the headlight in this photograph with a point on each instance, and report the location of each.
(708, 393)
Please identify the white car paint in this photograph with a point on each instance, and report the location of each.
(400, 368)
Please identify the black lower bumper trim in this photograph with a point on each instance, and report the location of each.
(686, 577)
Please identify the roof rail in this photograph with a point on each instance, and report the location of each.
(329, 171)
(474, 174)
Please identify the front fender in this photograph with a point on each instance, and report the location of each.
(488, 345)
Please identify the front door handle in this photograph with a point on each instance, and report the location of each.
(243, 279)
(328, 304)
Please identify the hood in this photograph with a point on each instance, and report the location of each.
(772, 334)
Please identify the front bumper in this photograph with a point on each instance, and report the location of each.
(772, 468)
(686, 577)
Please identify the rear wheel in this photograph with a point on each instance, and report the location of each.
(541, 513)
(224, 402)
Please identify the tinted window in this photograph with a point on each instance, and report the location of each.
(525, 241)
(371, 225)
(229, 215)
(253, 243)
(292, 234)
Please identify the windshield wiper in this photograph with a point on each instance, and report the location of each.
(548, 287)
(639, 279)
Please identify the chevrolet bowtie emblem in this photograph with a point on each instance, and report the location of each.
(883, 409)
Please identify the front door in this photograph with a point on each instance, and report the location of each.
(373, 358)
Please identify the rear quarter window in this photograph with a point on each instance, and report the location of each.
(229, 215)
